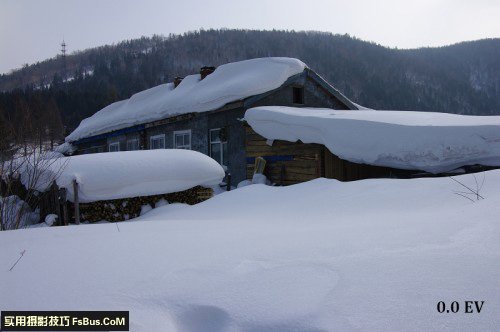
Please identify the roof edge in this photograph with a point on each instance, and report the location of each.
(292, 79)
(327, 86)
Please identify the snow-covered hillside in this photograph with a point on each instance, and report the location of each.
(373, 255)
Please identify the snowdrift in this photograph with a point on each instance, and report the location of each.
(432, 142)
(372, 255)
(230, 82)
(105, 176)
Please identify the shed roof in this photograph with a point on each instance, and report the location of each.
(428, 141)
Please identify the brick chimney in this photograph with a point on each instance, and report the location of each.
(205, 71)
(177, 81)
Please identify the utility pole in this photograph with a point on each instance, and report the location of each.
(63, 49)
(63, 57)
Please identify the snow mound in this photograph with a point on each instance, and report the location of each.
(228, 83)
(432, 142)
(65, 148)
(51, 219)
(372, 255)
(104, 176)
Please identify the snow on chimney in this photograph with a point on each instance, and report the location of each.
(205, 71)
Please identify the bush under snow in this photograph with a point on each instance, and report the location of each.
(16, 213)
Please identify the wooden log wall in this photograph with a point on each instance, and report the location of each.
(286, 162)
(343, 170)
(290, 163)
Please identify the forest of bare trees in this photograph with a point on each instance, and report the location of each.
(26, 140)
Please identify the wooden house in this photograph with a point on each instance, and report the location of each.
(203, 112)
(365, 144)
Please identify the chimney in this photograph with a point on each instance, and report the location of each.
(177, 81)
(205, 71)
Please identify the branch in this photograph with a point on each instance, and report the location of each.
(22, 254)
(470, 199)
(463, 185)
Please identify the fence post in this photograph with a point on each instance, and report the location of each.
(228, 182)
(64, 204)
(282, 175)
(55, 202)
(76, 203)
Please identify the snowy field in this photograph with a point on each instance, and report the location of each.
(373, 255)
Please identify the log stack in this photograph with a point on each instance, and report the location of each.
(128, 208)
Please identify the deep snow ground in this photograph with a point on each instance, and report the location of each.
(319, 256)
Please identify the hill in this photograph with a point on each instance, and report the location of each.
(463, 78)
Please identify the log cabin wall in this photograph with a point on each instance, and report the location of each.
(343, 170)
(286, 162)
(290, 163)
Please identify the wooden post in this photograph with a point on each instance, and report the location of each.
(282, 175)
(64, 205)
(76, 202)
(54, 193)
(228, 182)
(143, 142)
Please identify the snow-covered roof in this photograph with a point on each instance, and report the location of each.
(105, 176)
(228, 83)
(432, 142)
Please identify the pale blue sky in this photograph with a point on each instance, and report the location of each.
(32, 30)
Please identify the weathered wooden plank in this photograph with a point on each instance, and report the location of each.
(297, 154)
(257, 143)
(297, 166)
(56, 202)
(255, 138)
(292, 170)
(279, 145)
(64, 206)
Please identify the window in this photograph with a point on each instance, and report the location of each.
(114, 147)
(218, 145)
(133, 144)
(298, 95)
(182, 139)
(157, 142)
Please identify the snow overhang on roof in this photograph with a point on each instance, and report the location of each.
(228, 83)
(432, 142)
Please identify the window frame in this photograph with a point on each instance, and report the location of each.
(218, 141)
(133, 140)
(154, 137)
(183, 132)
(117, 144)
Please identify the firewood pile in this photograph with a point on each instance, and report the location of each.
(128, 208)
